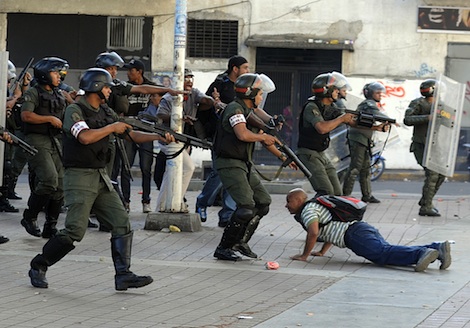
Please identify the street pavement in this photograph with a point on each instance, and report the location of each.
(192, 289)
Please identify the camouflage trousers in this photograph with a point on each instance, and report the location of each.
(360, 166)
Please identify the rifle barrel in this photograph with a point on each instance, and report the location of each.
(20, 143)
(21, 76)
(159, 129)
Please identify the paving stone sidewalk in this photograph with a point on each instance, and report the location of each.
(192, 289)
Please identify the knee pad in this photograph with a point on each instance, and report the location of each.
(243, 215)
(262, 210)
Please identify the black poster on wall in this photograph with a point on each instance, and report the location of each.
(444, 19)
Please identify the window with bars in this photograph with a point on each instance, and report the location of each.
(212, 38)
(125, 33)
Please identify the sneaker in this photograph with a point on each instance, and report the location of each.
(444, 255)
(3, 239)
(244, 249)
(429, 255)
(146, 208)
(370, 199)
(202, 213)
(225, 254)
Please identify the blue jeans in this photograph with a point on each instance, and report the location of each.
(366, 241)
(145, 160)
(209, 192)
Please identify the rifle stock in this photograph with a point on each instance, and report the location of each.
(148, 123)
(20, 78)
(20, 143)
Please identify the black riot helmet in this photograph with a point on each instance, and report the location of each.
(324, 84)
(46, 65)
(370, 88)
(108, 59)
(94, 79)
(248, 85)
(427, 88)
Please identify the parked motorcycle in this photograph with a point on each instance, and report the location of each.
(377, 168)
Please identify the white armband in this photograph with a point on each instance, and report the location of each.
(78, 127)
(235, 119)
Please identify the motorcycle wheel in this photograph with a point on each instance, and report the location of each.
(377, 169)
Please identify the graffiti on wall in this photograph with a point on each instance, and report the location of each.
(399, 94)
(424, 70)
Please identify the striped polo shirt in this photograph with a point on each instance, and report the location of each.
(333, 231)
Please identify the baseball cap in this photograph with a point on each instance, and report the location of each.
(135, 63)
(188, 72)
(236, 61)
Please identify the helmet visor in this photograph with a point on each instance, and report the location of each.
(339, 80)
(267, 85)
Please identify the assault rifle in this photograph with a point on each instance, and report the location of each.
(20, 143)
(20, 78)
(149, 123)
(271, 128)
(368, 120)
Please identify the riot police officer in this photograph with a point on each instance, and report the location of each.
(5, 205)
(87, 126)
(118, 101)
(360, 144)
(418, 115)
(6, 138)
(233, 147)
(314, 128)
(42, 113)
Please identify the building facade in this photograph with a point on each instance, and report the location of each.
(291, 42)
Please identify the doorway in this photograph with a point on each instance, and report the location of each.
(292, 71)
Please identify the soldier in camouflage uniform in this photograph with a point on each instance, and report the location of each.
(88, 123)
(418, 115)
(42, 113)
(360, 143)
(319, 116)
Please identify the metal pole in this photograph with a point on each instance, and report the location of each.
(173, 200)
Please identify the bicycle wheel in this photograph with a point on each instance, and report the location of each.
(377, 169)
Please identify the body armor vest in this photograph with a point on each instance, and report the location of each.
(308, 136)
(95, 155)
(227, 145)
(50, 104)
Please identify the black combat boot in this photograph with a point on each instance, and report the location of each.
(3, 239)
(54, 250)
(11, 194)
(30, 223)
(52, 215)
(242, 245)
(121, 252)
(229, 239)
(5, 205)
(30, 215)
